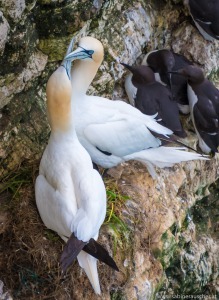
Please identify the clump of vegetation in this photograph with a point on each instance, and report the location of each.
(14, 181)
(114, 219)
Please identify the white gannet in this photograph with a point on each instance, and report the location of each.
(70, 194)
(113, 131)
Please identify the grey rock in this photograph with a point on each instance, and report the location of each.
(4, 30)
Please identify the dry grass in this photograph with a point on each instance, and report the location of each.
(29, 256)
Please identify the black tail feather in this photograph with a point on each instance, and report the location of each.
(174, 139)
(96, 250)
(70, 252)
(74, 246)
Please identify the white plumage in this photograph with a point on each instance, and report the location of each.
(193, 99)
(114, 131)
(70, 194)
(130, 89)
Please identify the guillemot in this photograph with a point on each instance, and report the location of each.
(205, 16)
(162, 62)
(152, 97)
(204, 107)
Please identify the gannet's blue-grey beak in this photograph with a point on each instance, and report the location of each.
(67, 63)
(79, 53)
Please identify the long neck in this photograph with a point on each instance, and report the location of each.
(82, 74)
(59, 105)
(60, 115)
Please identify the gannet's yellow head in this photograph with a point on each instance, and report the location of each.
(58, 91)
(89, 48)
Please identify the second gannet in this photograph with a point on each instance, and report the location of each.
(114, 131)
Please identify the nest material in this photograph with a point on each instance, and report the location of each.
(30, 254)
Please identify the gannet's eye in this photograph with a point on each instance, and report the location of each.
(89, 52)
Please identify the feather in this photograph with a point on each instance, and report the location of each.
(96, 250)
(89, 264)
(163, 157)
(71, 251)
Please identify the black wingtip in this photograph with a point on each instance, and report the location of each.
(96, 250)
(174, 139)
(70, 252)
(73, 248)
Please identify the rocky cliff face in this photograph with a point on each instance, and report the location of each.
(159, 247)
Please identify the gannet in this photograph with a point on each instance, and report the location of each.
(70, 194)
(205, 16)
(152, 97)
(113, 131)
(204, 106)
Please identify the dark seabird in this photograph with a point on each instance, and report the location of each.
(205, 14)
(163, 61)
(204, 107)
(154, 98)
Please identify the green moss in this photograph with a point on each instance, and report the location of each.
(51, 235)
(94, 24)
(55, 48)
(20, 47)
(64, 19)
(168, 249)
(175, 228)
(117, 295)
(108, 57)
(29, 134)
(201, 191)
(205, 212)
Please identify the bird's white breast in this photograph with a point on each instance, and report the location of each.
(131, 90)
(204, 33)
(193, 99)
